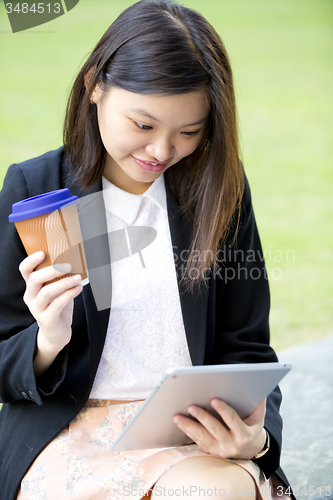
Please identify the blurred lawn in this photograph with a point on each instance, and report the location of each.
(282, 54)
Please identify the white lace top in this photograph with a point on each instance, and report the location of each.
(146, 332)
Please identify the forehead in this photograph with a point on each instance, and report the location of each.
(189, 107)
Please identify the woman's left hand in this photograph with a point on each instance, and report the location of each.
(242, 440)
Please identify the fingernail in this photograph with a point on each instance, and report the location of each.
(62, 268)
(77, 278)
(193, 410)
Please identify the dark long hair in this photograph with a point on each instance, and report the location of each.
(159, 46)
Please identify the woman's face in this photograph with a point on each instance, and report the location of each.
(145, 134)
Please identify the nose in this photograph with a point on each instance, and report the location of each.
(160, 149)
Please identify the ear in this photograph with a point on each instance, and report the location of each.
(97, 92)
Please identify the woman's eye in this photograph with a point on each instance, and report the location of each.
(142, 127)
(191, 133)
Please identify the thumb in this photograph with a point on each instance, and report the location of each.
(258, 415)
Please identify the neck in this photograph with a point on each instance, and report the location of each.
(120, 179)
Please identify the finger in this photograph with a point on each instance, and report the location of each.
(195, 431)
(212, 424)
(257, 416)
(37, 279)
(60, 302)
(49, 293)
(30, 263)
(229, 416)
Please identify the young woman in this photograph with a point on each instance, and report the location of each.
(150, 140)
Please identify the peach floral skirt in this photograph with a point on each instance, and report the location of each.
(79, 463)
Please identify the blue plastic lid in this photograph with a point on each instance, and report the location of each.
(41, 204)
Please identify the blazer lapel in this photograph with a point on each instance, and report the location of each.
(193, 304)
(97, 294)
(94, 231)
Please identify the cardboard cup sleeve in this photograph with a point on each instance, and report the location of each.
(50, 222)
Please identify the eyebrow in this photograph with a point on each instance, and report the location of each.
(141, 111)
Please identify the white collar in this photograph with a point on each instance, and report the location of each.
(126, 205)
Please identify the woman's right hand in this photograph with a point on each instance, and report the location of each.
(51, 305)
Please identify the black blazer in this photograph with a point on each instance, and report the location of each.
(225, 323)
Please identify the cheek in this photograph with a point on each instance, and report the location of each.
(116, 136)
(188, 148)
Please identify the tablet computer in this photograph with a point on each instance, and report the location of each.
(242, 386)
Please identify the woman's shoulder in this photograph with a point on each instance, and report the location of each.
(246, 204)
(37, 165)
(46, 172)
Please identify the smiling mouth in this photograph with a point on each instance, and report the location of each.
(155, 164)
(150, 165)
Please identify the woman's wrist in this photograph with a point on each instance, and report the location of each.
(265, 447)
(45, 355)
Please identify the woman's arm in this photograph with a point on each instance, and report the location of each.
(51, 305)
(242, 329)
(238, 332)
(19, 331)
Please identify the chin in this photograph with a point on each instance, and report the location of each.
(151, 177)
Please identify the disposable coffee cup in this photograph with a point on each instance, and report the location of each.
(50, 222)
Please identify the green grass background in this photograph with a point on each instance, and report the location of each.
(282, 55)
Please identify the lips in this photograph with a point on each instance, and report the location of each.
(150, 165)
